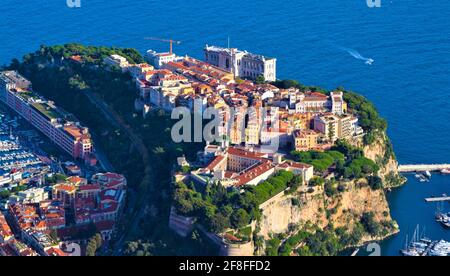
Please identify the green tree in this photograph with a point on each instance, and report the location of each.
(260, 79)
(369, 223)
(240, 218)
(316, 181)
(218, 223)
(331, 131)
(375, 182)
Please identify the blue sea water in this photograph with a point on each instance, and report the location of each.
(409, 40)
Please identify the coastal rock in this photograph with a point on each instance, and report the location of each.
(381, 152)
(344, 209)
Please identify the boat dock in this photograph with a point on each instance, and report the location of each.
(437, 199)
(423, 168)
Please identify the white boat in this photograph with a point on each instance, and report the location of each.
(428, 174)
(423, 177)
(445, 171)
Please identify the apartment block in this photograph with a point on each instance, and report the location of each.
(53, 122)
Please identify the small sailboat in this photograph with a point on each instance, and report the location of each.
(423, 178)
(438, 214)
(446, 222)
(418, 245)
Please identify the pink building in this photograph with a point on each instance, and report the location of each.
(16, 92)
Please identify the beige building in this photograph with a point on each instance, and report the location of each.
(238, 167)
(252, 132)
(328, 125)
(339, 127)
(347, 126)
(305, 140)
(139, 70)
(338, 105)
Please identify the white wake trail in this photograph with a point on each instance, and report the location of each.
(357, 55)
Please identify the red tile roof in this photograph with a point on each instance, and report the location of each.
(254, 173)
(89, 187)
(245, 153)
(216, 161)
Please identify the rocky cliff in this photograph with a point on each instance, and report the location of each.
(382, 153)
(343, 209)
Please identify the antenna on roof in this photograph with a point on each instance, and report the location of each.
(228, 42)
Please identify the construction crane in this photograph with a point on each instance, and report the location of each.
(171, 41)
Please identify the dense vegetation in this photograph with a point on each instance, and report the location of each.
(369, 118)
(286, 84)
(320, 160)
(310, 240)
(349, 161)
(219, 208)
(94, 243)
(313, 241)
(89, 54)
(355, 165)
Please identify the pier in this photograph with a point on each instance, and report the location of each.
(422, 168)
(437, 199)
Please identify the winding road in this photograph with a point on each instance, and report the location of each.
(136, 212)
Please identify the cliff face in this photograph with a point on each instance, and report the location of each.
(277, 216)
(343, 209)
(381, 152)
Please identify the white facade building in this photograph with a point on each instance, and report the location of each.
(118, 61)
(241, 63)
(33, 195)
(159, 59)
(338, 105)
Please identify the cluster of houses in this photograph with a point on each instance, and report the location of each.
(251, 113)
(42, 223)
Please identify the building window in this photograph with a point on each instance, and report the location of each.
(227, 63)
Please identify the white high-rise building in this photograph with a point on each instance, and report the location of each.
(242, 63)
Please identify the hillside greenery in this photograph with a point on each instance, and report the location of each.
(320, 160)
(219, 208)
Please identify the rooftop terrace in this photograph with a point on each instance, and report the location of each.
(50, 112)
